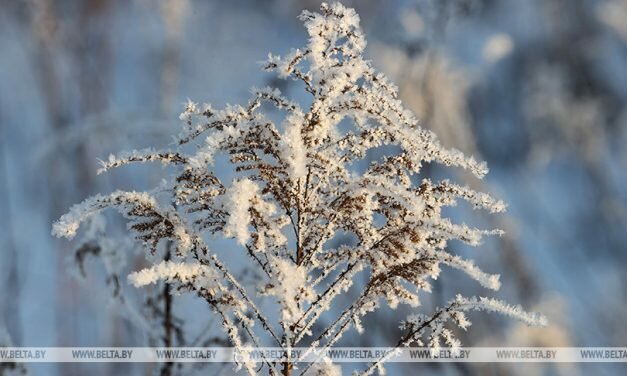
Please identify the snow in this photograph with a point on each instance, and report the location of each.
(238, 204)
(294, 150)
(324, 367)
(69, 223)
(291, 288)
(146, 155)
(498, 306)
(170, 271)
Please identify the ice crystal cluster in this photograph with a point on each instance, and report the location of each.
(298, 186)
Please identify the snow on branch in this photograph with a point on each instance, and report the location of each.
(173, 271)
(141, 156)
(150, 222)
(238, 205)
(498, 306)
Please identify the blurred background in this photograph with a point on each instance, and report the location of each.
(537, 88)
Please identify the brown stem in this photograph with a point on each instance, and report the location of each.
(287, 368)
(166, 369)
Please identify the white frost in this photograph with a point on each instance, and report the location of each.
(237, 206)
(289, 284)
(293, 150)
(170, 271)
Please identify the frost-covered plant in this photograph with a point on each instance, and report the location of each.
(298, 187)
